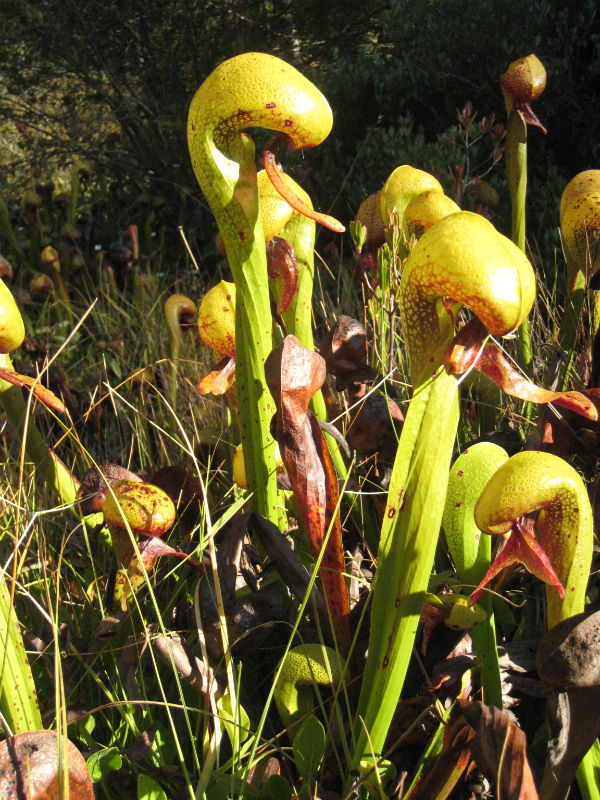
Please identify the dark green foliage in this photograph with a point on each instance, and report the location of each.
(428, 58)
(112, 82)
(432, 56)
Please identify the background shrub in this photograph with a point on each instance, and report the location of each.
(112, 82)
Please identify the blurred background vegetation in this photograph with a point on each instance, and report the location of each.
(111, 83)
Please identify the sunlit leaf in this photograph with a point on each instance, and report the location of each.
(149, 789)
(104, 762)
(237, 725)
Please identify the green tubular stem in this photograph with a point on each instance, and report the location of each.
(462, 258)
(485, 643)
(567, 335)
(300, 233)
(63, 294)
(408, 542)
(250, 90)
(516, 167)
(252, 333)
(488, 398)
(524, 356)
(56, 475)
(255, 405)
(175, 349)
(18, 698)
(175, 306)
(384, 320)
(298, 319)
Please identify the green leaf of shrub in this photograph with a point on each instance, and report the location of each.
(376, 780)
(149, 789)
(163, 750)
(104, 762)
(216, 791)
(309, 748)
(231, 722)
(276, 788)
(84, 729)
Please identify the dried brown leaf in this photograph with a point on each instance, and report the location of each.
(500, 751)
(294, 374)
(445, 769)
(282, 269)
(375, 425)
(344, 349)
(130, 575)
(40, 392)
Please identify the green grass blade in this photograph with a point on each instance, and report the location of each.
(18, 698)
